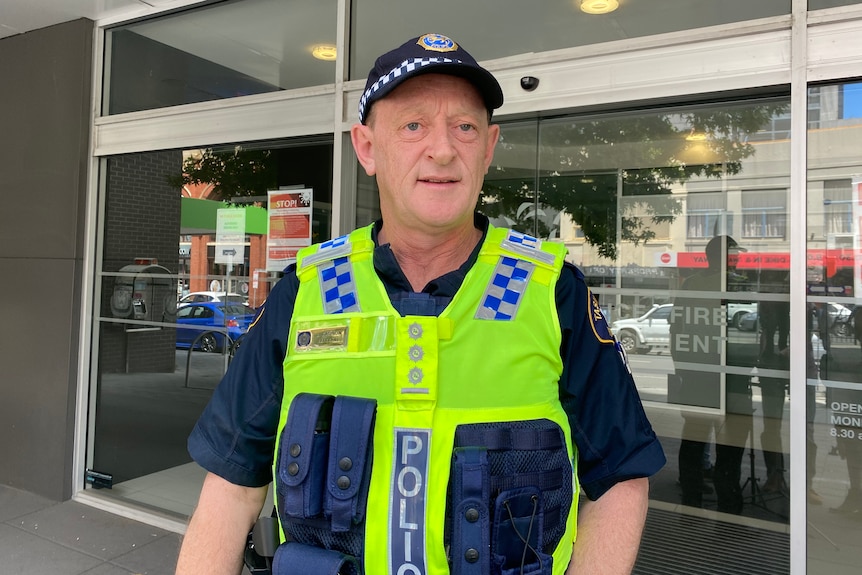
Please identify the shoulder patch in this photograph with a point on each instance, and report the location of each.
(597, 320)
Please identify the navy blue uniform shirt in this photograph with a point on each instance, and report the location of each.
(235, 436)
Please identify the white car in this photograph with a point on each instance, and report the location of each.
(641, 334)
(736, 309)
(208, 296)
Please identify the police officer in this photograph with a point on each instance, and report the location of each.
(697, 347)
(430, 394)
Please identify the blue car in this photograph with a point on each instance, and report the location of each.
(204, 325)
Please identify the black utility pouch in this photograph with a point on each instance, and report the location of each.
(324, 472)
(302, 456)
(349, 462)
(518, 529)
(293, 558)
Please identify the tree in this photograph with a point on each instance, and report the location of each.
(234, 173)
(586, 165)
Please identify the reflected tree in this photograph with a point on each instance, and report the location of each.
(586, 166)
(233, 173)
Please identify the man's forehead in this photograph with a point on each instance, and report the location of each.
(437, 83)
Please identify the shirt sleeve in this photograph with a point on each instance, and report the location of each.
(234, 437)
(614, 438)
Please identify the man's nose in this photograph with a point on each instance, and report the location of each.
(441, 147)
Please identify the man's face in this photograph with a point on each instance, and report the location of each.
(429, 144)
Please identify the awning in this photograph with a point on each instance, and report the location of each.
(199, 217)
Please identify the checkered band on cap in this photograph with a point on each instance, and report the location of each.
(406, 67)
(502, 297)
(337, 286)
(527, 246)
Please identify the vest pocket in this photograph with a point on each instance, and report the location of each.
(323, 472)
(302, 456)
(531, 482)
(518, 532)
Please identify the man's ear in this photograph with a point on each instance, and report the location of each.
(363, 145)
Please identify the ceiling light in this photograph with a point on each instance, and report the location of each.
(324, 52)
(599, 6)
(696, 136)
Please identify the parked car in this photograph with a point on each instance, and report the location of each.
(748, 322)
(737, 309)
(204, 324)
(211, 296)
(641, 334)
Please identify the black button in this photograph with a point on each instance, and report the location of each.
(295, 450)
(471, 555)
(293, 468)
(345, 464)
(343, 482)
(472, 515)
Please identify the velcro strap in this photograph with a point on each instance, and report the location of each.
(293, 558)
(349, 455)
(509, 439)
(302, 455)
(471, 531)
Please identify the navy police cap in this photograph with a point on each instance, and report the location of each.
(427, 53)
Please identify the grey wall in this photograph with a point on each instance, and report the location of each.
(45, 86)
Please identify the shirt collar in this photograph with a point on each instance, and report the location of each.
(447, 285)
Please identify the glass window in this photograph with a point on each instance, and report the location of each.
(225, 50)
(838, 207)
(159, 359)
(834, 320)
(512, 28)
(706, 215)
(818, 4)
(764, 213)
(703, 310)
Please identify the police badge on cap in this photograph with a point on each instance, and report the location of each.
(437, 43)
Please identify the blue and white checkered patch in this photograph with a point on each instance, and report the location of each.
(405, 67)
(502, 297)
(528, 246)
(334, 243)
(328, 250)
(337, 286)
(524, 240)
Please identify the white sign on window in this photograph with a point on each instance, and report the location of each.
(230, 236)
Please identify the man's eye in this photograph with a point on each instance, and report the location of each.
(466, 127)
(413, 126)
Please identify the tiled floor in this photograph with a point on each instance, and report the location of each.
(42, 537)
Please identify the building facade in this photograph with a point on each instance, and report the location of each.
(635, 137)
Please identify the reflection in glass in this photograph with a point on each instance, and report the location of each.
(678, 219)
(530, 27)
(225, 50)
(172, 313)
(834, 286)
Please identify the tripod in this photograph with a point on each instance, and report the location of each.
(756, 496)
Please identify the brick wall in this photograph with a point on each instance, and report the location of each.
(142, 220)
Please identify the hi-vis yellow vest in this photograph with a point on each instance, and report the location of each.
(491, 356)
